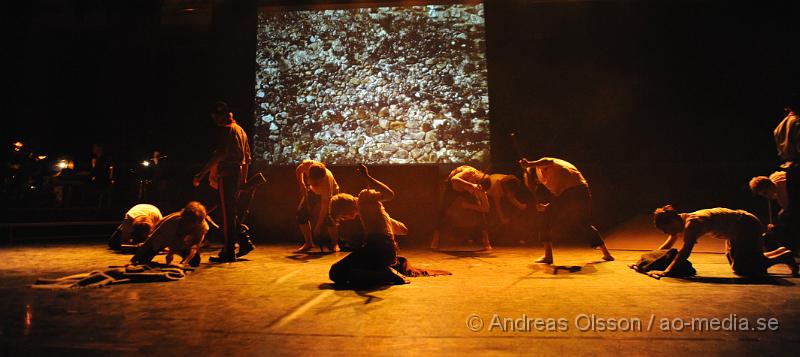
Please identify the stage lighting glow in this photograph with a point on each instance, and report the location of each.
(385, 85)
(146, 163)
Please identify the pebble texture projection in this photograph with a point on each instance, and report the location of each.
(391, 85)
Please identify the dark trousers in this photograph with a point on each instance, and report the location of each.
(569, 215)
(228, 188)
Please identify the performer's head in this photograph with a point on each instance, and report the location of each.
(142, 226)
(763, 186)
(317, 172)
(221, 114)
(668, 220)
(344, 207)
(193, 216)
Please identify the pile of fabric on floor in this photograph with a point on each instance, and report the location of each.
(116, 275)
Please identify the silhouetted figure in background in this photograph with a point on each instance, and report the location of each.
(227, 170)
(101, 174)
(568, 212)
(740, 229)
(787, 141)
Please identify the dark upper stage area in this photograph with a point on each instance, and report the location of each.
(656, 102)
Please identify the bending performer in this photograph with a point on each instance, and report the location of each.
(569, 210)
(740, 229)
(317, 186)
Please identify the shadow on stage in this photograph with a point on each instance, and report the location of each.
(307, 256)
(362, 291)
(761, 280)
(457, 254)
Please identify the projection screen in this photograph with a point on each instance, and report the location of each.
(378, 85)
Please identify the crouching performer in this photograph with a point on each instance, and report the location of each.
(139, 221)
(741, 230)
(180, 233)
(376, 262)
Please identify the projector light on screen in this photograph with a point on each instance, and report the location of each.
(379, 85)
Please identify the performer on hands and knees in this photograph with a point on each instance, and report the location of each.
(741, 230)
(227, 170)
(139, 221)
(569, 210)
(317, 186)
(181, 233)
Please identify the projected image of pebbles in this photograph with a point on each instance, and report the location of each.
(375, 85)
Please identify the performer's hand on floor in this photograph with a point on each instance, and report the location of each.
(657, 274)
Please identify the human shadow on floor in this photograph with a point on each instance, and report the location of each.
(761, 280)
(467, 253)
(588, 268)
(308, 256)
(360, 290)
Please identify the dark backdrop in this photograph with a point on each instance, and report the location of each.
(654, 101)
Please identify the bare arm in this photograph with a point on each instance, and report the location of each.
(458, 181)
(398, 228)
(386, 193)
(323, 209)
(195, 240)
(689, 240)
(525, 163)
(671, 239)
(299, 173)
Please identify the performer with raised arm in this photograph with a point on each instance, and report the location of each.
(317, 185)
(568, 212)
(376, 262)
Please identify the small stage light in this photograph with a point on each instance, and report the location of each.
(146, 163)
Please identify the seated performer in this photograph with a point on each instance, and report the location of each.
(569, 210)
(317, 186)
(740, 229)
(376, 262)
(181, 233)
(136, 226)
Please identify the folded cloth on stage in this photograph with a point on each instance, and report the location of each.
(660, 259)
(116, 275)
(403, 267)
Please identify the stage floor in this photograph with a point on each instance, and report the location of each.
(280, 303)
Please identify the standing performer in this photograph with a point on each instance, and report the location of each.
(227, 171)
(376, 262)
(740, 229)
(569, 210)
(317, 186)
(787, 141)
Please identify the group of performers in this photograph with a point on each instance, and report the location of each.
(552, 189)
